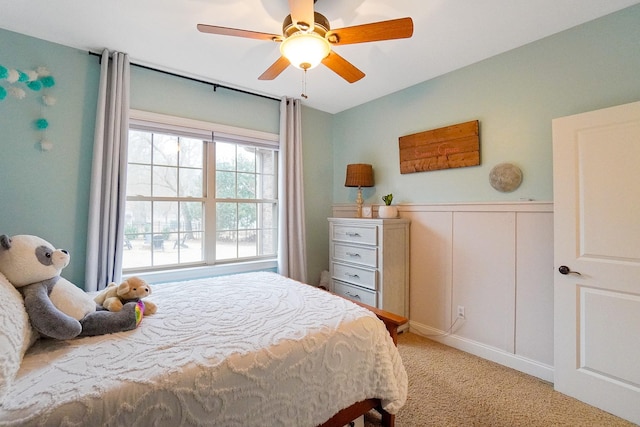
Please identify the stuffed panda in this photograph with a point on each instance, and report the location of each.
(56, 307)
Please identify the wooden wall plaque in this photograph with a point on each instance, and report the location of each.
(449, 147)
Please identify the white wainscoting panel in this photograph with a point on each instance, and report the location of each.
(484, 277)
(534, 286)
(430, 268)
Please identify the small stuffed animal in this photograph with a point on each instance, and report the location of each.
(133, 289)
(56, 307)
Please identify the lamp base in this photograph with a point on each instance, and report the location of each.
(359, 202)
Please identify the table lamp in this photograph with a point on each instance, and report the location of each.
(359, 175)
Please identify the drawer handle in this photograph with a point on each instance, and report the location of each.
(353, 254)
(353, 276)
(352, 295)
(352, 234)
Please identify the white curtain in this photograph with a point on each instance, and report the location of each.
(105, 235)
(292, 253)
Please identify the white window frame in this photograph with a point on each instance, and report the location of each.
(161, 123)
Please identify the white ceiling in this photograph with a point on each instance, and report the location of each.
(448, 34)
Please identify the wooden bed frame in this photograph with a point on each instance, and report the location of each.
(345, 416)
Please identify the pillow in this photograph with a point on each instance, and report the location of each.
(16, 334)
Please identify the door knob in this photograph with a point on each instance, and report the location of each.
(566, 270)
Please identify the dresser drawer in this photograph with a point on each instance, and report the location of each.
(354, 293)
(367, 234)
(358, 254)
(356, 275)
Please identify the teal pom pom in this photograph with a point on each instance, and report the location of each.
(47, 81)
(42, 124)
(23, 76)
(34, 85)
(3, 93)
(4, 73)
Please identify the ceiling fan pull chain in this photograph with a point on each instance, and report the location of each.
(304, 84)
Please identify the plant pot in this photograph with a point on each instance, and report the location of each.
(387, 212)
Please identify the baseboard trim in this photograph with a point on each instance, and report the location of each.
(510, 360)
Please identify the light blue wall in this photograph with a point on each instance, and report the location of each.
(46, 193)
(514, 95)
(166, 94)
(318, 184)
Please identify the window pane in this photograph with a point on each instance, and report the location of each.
(268, 215)
(191, 151)
(247, 244)
(190, 249)
(138, 180)
(162, 252)
(226, 216)
(226, 245)
(246, 159)
(225, 156)
(267, 161)
(137, 223)
(267, 242)
(192, 215)
(266, 187)
(139, 150)
(165, 150)
(246, 186)
(247, 215)
(225, 185)
(165, 181)
(190, 182)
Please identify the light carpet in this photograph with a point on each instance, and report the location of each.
(448, 387)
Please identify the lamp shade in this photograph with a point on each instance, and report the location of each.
(359, 175)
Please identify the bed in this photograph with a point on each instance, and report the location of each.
(252, 349)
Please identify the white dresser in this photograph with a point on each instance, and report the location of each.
(369, 261)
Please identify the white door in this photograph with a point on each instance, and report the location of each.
(596, 174)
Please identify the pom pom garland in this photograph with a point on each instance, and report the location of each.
(42, 124)
(34, 85)
(48, 100)
(32, 75)
(17, 93)
(47, 81)
(14, 82)
(46, 145)
(13, 76)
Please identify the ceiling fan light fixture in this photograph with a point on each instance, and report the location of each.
(305, 50)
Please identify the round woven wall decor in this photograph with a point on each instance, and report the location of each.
(505, 177)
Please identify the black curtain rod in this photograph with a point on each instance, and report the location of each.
(215, 85)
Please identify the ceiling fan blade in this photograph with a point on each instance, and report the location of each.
(376, 31)
(224, 31)
(302, 12)
(342, 67)
(275, 69)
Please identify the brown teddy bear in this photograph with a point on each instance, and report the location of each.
(114, 296)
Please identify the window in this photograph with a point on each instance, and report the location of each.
(197, 197)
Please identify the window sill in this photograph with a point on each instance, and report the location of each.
(178, 274)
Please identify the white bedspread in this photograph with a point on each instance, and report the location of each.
(246, 350)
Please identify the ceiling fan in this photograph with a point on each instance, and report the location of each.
(307, 40)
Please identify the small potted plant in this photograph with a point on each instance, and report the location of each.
(387, 211)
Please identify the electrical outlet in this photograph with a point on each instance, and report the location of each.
(461, 312)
